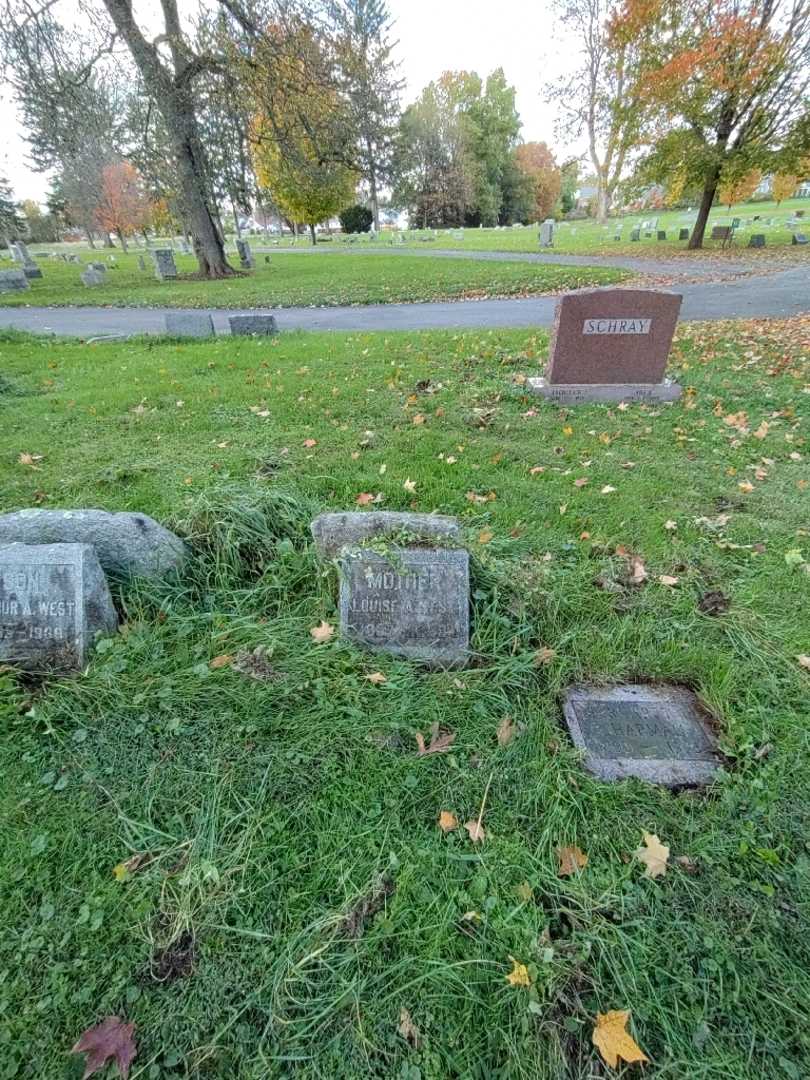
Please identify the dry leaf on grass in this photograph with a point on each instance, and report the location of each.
(608, 489)
(506, 731)
(122, 870)
(572, 859)
(654, 855)
(519, 975)
(408, 1029)
(364, 498)
(30, 460)
(109, 1039)
(410, 486)
(803, 661)
(667, 579)
(612, 1040)
(485, 536)
(447, 821)
(544, 655)
(438, 743)
(220, 661)
(376, 677)
(670, 525)
(525, 892)
(309, 443)
(323, 632)
(637, 571)
(476, 830)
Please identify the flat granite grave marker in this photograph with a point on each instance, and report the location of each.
(252, 324)
(653, 733)
(411, 602)
(611, 345)
(756, 240)
(798, 238)
(195, 324)
(54, 599)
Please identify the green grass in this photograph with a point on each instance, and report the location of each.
(307, 280)
(277, 813)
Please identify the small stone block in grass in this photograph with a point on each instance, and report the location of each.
(249, 325)
(54, 599)
(655, 733)
(194, 324)
(13, 281)
(411, 602)
(333, 531)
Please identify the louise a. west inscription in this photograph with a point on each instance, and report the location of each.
(53, 599)
(413, 602)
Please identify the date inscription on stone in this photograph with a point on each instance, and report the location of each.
(656, 733)
(412, 602)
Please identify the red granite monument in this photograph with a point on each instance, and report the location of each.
(611, 345)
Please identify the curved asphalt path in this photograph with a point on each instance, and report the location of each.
(778, 294)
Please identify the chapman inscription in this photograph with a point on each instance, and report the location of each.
(616, 326)
(412, 602)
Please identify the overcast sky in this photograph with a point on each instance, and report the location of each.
(434, 36)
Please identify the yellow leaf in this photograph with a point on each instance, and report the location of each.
(476, 830)
(410, 486)
(447, 821)
(418, 418)
(544, 656)
(120, 871)
(519, 975)
(485, 536)
(571, 859)
(377, 678)
(408, 1029)
(613, 1041)
(654, 855)
(323, 632)
(30, 460)
(568, 431)
(746, 486)
(506, 731)
(525, 892)
(667, 579)
(537, 469)
(220, 661)
(761, 431)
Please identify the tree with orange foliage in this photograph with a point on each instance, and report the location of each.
(537, 164)
(726, 83)
(737, 189)
(123, 207)
(783, 185)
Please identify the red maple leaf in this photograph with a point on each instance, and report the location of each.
(109, 1039)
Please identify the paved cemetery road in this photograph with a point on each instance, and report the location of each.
(776, 295)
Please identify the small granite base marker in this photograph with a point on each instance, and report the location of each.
(189, 324)
(334, 531)
(610, 345)
(654, 733)
(54, 599)
(253, 324)
(13, 281)
(128, 545)
(411, 602)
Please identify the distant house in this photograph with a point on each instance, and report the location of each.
(584, 196)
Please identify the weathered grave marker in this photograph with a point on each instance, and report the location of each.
(165, 267)
(611, 345)
(13, 281)
(798, 238)
(635, 234)
(756, 240)
(683, 234)
(195, 324)
(657, 734)
(92, 277)
(333, 531)
(253, 324)
(411, 602)
(129, 545)
(246, 260)
(546, 234)
(53, 600)
(661, 234)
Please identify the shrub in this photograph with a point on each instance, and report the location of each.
(356, 219)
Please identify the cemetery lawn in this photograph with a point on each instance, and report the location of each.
(239, 852)
(305, 280)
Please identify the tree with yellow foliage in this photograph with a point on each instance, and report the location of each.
(738, 189)
(783, 185)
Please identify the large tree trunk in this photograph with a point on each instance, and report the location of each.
(172, 90)
(709, 191)
(312, 234)
(236, 220)
(373, 196)
(123, 241)
(107, 240)
(602, 202)
(90, 240)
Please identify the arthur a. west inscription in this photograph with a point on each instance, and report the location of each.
(53, 599)
(412, 602)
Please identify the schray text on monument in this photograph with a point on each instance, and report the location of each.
(616, 326)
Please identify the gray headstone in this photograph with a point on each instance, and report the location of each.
(54, 599)
(129, 545)
(661, 234)
(165, 267)
(196, 324)
(798, 238)
(546, 234)
(100, 266)
(246, 260)
(253, 324)
(13, 281)
(683, 234)
(334, 531)
(16, 253)
(411, 602)
(756, 240)
(92, 277)
(635, 234)
(658, 734)
(32, 272)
